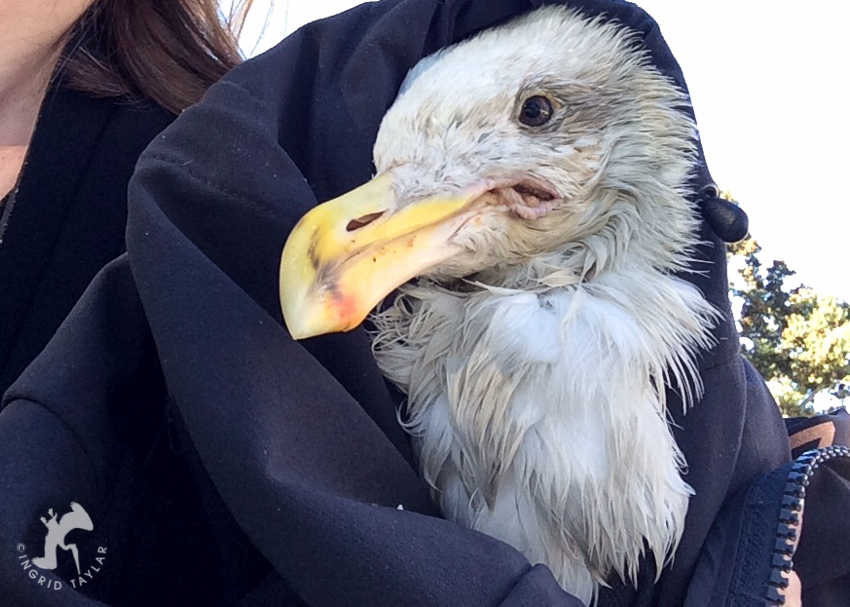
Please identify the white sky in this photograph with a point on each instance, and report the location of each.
(772, 107)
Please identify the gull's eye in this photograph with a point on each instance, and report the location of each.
(536, 111)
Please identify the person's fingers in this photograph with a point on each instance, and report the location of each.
(794, 592)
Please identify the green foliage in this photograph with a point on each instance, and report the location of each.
(798, 340)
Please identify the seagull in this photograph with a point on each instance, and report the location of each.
(531, 216)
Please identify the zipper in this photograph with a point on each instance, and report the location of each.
(6, 211)
(794, 494)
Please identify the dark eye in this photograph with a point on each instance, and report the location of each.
(536, 111)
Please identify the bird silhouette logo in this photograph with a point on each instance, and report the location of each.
(57, 530)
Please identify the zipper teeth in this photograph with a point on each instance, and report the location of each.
(793, 496)
(6, 211)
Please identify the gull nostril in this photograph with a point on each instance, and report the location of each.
(356, 224)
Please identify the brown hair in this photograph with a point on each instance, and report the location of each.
(169, 51)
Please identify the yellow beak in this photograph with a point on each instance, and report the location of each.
(347, 254)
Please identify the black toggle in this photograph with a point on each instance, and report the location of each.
(727, 219)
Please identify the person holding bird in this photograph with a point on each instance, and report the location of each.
(547, 404)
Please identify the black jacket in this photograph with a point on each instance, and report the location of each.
(223, 463)
(66, 219)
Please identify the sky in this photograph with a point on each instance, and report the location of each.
(770, 104)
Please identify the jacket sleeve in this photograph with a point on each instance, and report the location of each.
(306, 473)
(73, 429)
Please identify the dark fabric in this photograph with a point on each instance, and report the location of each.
(298, 463)
(752, 522)
(823, 554)
(93, 430)
(748, 528)
(825, 540)
(68, 216)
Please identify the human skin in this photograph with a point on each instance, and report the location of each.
(31, 37)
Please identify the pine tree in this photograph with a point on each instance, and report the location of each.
(798, 340)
